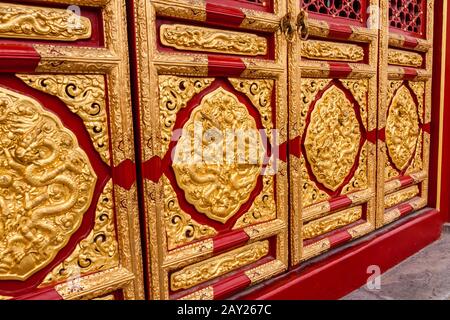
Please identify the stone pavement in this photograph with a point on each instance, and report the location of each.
(423, 276)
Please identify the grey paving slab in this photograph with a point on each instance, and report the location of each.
(423, 276)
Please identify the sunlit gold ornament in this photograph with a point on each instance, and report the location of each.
(217, 174)
(46, 186)
(332, 138)
(402, 128)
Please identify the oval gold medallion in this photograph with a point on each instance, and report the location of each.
(46, 186)
(217, 159)
(332, 138)
(402, 128)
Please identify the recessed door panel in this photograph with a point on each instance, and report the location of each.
(69, 224)
(405, 108)
(333, 125)
(213, 123)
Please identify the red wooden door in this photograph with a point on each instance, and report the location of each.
(215, 221)
(334, 126)
(68, 221)
(404, 112)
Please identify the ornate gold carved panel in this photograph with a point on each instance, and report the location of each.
(47, 184)
(325, 50)
(29, 22)
(332, 138)
(195, 38)
(333, 114)
(69, 214)
(404, 114)
(216, 190)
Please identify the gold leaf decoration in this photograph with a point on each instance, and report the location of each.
(359, 180)
(263, 207)
(332, 138)
(180, 228)
(332, 222)
(184, 37)
(84, 95)
(174, 94)
(46, 186)
(98, 251)
(404, 58)
(30, 22)
(260, 94)
(402, 128)
(398, 197)
(359, 88)
(324, 50)
(311, 194)
(216, 186)
(219, 265)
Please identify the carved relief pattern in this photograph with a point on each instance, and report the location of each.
(332, 222)
(309, 90)
(174, 94)
(418, 87)
(417, 162)
(30, 22)
(359, 90)
(404, 58)
(217, 266)
(98, 251)
(184, 37)
(323, 50)
(46, 186)
(180, 228)
(359, 180)
(332, 138)
(400, 196)
(351, 9)
(402, 128)
(311, 194)
(260, 94)
(263, 207)
(216, 186)
(84, 95)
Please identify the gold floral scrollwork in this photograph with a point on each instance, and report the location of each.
(311, 194)
(310, 87)
(184, 37)
(417, 162)
(180, 228)
(404, 58)
(263, 207)
(217, 186)
(395, 198)
(17, 21)
(174, 94)
(359, 89)
(332, 138)
(418, 87)
(324, 50)
(331, 222)
(46, 186)
(402, 128)
(260, 94)
(84, 95)
(99, 251)
(359, 180)
(219, 265)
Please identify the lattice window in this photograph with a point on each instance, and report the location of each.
(407, 15)
(351, 9)
(257, 2)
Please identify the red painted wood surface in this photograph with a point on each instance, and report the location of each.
(345, 271)
(435, 117)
